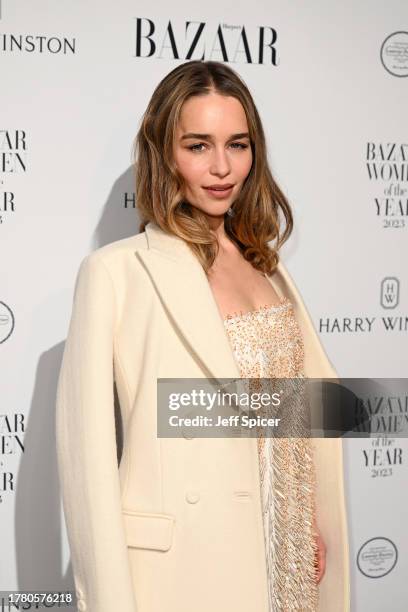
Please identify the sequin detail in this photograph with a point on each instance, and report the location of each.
(267, 343)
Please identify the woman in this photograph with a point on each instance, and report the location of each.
(196, 523)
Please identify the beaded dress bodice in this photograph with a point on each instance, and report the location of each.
(267, 343)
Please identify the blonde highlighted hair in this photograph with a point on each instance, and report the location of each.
(160, 187)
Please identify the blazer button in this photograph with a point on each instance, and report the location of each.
(192, 497)
(81, 605)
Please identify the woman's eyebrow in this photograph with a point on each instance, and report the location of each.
(209, 136)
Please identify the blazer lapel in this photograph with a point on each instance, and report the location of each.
(187, 296)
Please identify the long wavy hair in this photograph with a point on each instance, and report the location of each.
(160, 187)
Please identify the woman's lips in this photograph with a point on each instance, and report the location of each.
(219, 193)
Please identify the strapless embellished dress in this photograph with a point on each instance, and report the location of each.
(267, 343)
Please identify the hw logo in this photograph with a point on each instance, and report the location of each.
(389, 292)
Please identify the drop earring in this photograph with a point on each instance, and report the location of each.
(230, 212)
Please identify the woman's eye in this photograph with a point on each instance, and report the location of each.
(240, 145)
(193, 147)
(234, 145)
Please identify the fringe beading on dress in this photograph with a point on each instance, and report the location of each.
(267, 344)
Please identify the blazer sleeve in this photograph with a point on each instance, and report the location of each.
(86, 447)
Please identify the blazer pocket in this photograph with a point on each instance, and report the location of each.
(148, 530)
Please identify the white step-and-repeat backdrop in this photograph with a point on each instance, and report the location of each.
(330, 81)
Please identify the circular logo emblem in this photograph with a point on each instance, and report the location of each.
(6, 322)
(394, 54)
(377, 557)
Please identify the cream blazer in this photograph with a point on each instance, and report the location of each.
(177, 526)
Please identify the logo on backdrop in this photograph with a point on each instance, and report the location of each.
(389, 299)
(6, 322)
(197, 40)
(377, 557)
(390, 292)
(387, 168)
(129, 200)
(12, 429)
(394, 54)
(383, 456)
(13, 162)
(37, 43)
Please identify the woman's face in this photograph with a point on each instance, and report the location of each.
(212, 148)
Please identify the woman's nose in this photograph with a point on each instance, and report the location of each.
(220, 163)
